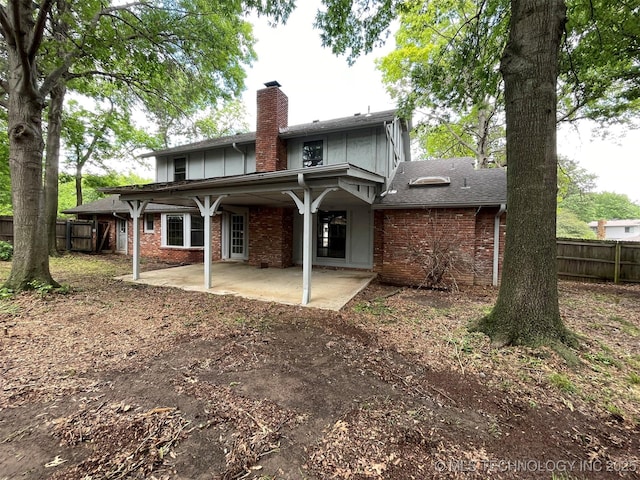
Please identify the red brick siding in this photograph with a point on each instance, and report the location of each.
(405, 235)
(272, 115)
(271, 237)
(484, 245)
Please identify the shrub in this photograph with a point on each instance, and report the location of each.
(6, 250)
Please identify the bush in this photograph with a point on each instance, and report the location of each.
(6, 250)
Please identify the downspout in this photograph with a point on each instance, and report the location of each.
(496, 243)
(234, 145)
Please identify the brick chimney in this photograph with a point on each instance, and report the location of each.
(272, 115)
(601, 233)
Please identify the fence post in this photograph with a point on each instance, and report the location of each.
(616, 267)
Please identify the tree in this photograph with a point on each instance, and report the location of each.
(448, 54)
(445, 66)
(94, 138)
(570, 226)
(153, 50)
(91, 185)
(527, 310)
(595, 206)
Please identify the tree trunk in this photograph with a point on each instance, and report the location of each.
(527, 310)
(79, 184)
(24, 115)
(52, 162)
(31, 254)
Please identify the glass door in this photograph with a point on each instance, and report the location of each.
(238, 244)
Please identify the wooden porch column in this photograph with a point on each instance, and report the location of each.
(207, 210)
(136, 209)
(307, 207)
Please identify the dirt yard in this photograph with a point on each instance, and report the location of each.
(120, 381)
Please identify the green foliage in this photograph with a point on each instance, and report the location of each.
(568, 225)
(43, 289)
(448, 53)
(562, 382)
(90, 187)
(6, 251)
(5, 177)
(601, 205)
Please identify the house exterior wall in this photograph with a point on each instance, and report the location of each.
(359, 242)
(151, 243)
(406, 238)
(365, 148)
(271, 237)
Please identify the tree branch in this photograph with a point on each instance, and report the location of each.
(19, 44)
(4, 23)
(38, 29)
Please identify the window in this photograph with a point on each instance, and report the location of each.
(197, 231)
(628, 229)
(148, 222)
(332, 234)
(312, 153)
(179, 169)
(175, 230)
(182, 230)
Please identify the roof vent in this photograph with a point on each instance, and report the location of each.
(273, 83)
(429, 181)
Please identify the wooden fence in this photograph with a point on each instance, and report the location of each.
(599, 260)
(74, 235)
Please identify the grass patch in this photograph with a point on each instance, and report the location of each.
(562, 383)
(627, 327)
(376, 307)
(633, 378)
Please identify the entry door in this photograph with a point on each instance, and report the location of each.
(238, 236)
(121, 236)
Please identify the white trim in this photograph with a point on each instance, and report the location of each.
(186, 231)
(144, 222)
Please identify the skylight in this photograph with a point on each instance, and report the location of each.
(429, 181)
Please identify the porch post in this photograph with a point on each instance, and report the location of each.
(307, 246)
(136, 209)
(207, 210)
(207, 242)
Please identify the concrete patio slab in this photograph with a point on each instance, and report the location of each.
(330, 289)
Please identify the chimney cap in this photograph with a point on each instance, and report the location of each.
(273, 83)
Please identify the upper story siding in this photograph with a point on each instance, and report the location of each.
(375, 142)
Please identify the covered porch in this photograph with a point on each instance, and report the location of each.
(332, 289)
(303, 191)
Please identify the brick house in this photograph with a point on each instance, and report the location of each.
(340, 193)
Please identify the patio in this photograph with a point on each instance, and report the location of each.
(331, 289)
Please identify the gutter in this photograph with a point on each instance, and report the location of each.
(496, 243)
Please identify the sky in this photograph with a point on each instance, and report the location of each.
(321, 86)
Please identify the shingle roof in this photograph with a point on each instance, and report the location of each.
(468, 186)
(112, 204)
(313, 128)
(338, 124)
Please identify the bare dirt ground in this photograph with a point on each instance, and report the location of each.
(121, 381)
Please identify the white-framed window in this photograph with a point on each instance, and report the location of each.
(148, 222)
(312, 154)
(179, 169)
(182, 230)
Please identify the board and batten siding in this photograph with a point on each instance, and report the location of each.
(220, 162)
(359, 246)
(365, 148)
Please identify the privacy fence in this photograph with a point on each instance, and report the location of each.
(583, 260)
(72, 235)
(599, 260)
